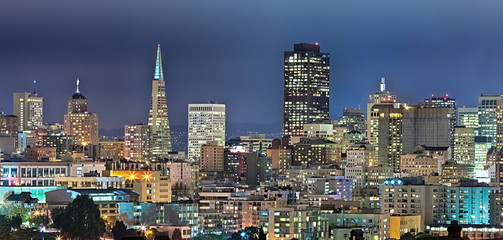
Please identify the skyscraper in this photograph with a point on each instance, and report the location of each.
(468, 117)
(487, 115)
(79, 122)
(427, 125)
(306, 87)
(206, 122)
(464, 145)
(386, 134)
(380, 97)
(29, 108)
(158, 115)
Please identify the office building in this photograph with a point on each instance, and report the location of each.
(468, 117)
(9, 125)
(212, 157)
(428, 125)
(206, 122)
(79, 122)
(137, 142)
(315, 151)
(386, 134)
(306, 87)
(381, 97)
(29, 108)
(464, 145)
(158, 115)
(62, 142)
(487, 107)
(353, 119)
(359, 158)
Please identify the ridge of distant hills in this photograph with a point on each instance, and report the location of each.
(179, 132)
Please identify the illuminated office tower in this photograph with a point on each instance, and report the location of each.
(29, 108)
(306, 87)
(468, 117)
(487, 115)
(386, 134)
(137, 142)
(381, 97)
(206, 122)
(158, 115)
(464, 145)
(79, 122)
(353, 119)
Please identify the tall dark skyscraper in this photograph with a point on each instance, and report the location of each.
(158, 115)
(306, 87)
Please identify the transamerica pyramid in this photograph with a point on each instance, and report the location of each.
(158, 116)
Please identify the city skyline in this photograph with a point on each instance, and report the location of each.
(457, 52)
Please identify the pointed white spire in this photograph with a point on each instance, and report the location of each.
(78, 83)
(383, 84)
(158, 75)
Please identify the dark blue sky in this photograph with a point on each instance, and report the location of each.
(232, 51)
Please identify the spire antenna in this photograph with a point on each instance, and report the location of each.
(383, 84)
(158, 74)
(78, 83)
(34, 86)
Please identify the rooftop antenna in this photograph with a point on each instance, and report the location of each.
(34, 86)
(78, 83)
(383, 84)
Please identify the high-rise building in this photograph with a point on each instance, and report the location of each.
(306, 87)
(158, 115)
(440, 102)
(464, 145)
(9, 125)
(79, 122)
(137, 145)
(428, 125)
(29, 108)
(206, 122)
(488, 105)
(212, 157)
(385, 134)
(468, 117)
(353, 119)
(381, 97)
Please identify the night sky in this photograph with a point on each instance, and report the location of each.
(232, 52)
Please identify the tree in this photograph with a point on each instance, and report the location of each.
(162, 237)
(39, 220)
(57, 217)
(119, 230)
(15, 221)
(177, 234)
(4, 227)
(82, 220)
